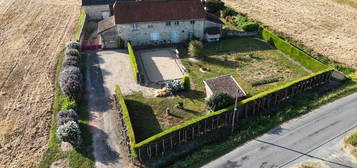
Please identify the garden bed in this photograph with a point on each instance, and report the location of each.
(252, 62)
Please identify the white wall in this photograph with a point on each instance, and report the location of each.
(142, 36)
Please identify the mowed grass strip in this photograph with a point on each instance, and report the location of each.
(248, 60)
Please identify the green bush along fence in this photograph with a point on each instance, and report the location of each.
(191, 131)
(133, 62)
(295, 53)
(120, 106)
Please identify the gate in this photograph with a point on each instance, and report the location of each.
(90, 45)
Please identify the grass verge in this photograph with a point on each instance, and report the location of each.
(284, 112)
(82, 156)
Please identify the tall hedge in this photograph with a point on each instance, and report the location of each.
(133, 62)
(293, 52)
(127, 120)
(230, 108)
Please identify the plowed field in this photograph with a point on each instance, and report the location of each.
(327, 27)
(32, 34)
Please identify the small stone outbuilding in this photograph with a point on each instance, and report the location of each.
(98, 9)
(225, 84)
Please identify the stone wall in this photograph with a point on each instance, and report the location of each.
(143, 34)
(94, 12)
(109, 38)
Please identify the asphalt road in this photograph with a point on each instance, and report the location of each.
(316, 136)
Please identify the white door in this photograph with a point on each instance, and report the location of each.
(155, 36)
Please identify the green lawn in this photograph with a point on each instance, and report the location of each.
(248, 60)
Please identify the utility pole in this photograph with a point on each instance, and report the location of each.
(235, 111)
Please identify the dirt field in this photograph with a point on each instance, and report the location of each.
(32, 34)
(323, 25)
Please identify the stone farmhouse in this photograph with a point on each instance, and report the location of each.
(155, 22)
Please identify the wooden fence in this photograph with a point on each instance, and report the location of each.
(247, 110)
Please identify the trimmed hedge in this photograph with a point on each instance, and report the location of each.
(198, 119)
(250, 26)
(133, 62)
(126, 118)
(293, 52)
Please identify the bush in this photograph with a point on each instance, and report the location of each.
(71, 81)
(174, 85)
(353, 140)
(228, 12)
(70, 61)
(250, 26)
(69, 132)
(195, 48)
(240, 20)
(65, 116)
(213, 6)
(219, 100)
(73, 45)
(185, 82)
(120, 43)
(72, 52)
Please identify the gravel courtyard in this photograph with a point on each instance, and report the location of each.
(160, 64)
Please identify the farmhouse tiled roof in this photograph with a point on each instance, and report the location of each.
(105, 24)
(225, 84)
(165, 10)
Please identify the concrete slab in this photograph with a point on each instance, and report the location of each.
(160, 64)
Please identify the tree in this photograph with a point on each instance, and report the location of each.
(69, 132)
(213, 6)
(219, 100)
(195, 49)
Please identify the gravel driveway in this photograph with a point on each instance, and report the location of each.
(105, 70)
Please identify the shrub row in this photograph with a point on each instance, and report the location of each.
(198, 119)
(68, 130)
(293, 52)
(127, 120)
(133, 62)
(70, 81)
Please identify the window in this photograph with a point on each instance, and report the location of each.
(150, 26)
(135, 26)
(177, 23)
(192, 22)
(168, 23)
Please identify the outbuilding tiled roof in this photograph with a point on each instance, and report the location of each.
(106, 24)
(166, 10)
(225, 84)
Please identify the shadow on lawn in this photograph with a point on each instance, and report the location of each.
(144, 121)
